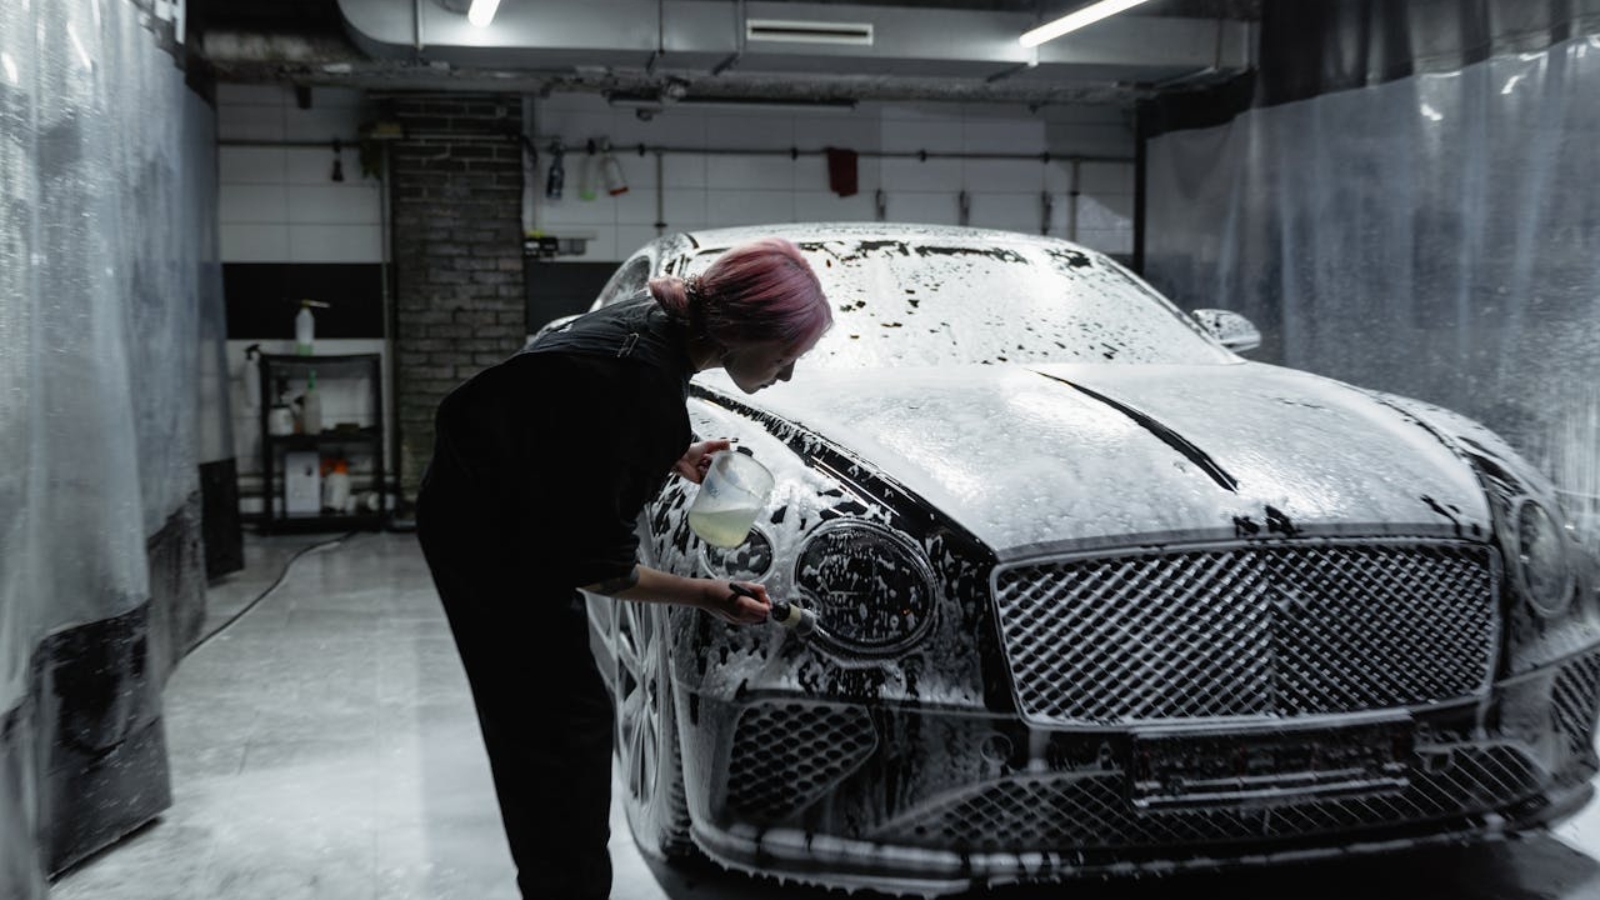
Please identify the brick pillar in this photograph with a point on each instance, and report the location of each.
(456, 203)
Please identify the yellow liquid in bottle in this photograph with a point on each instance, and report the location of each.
(725, 527)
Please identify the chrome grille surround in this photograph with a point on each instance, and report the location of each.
(1248, 629)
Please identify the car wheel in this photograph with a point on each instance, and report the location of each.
(647, 734)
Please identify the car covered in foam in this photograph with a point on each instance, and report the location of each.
(1096, 594)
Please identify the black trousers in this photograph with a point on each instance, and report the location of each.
(545, 714)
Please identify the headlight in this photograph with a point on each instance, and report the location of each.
(1542, 564)
(750, 561)
(872, 589)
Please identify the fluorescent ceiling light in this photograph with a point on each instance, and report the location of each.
(1089, 15)
(481, 13)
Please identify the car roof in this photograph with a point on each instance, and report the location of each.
(811, 232)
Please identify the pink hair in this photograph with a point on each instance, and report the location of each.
(763, 290)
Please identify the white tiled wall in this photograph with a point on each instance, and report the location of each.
(710, 189)
(278, 203)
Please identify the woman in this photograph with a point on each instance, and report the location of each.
(541, 466)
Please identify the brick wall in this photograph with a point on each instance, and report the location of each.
(456, 205)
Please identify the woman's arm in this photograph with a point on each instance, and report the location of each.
(716, 597)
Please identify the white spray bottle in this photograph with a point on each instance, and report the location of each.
(250, 375)
(305, 327)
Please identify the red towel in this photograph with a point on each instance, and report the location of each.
(841, 171)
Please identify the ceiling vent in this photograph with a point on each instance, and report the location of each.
(852, 33)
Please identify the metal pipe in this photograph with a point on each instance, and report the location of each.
(644, 149)
(530, 172)
(1073, 190)
(661, 194)
(391, 412)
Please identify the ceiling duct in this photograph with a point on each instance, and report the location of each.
(852, 33)
(833, 51)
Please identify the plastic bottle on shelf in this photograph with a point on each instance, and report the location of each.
(311, 406)
(305, 327)
(281, 419)
(336, 487)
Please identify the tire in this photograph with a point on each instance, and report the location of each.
(647, 734)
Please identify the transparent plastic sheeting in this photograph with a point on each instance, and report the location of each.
(1437, 236)
(107, 259)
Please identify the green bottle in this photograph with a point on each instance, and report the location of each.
(311, 403)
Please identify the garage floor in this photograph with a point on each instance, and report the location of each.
(324, 746)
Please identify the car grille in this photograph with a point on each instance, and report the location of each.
(1086, 812)
(1572, 708)
(1248, 630)
(787, 755)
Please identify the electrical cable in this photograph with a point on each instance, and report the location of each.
(274, 586)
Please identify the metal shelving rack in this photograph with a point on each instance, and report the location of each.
(367, 437)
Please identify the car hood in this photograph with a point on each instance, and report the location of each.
(1043, 457)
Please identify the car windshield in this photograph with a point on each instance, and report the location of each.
(899, 303)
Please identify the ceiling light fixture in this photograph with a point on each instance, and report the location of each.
(481, 13)
(1072, 21)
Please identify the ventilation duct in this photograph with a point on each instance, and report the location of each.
(803, 46)
(855, 33)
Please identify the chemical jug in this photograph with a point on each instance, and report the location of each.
(336, 487)
(732, 494)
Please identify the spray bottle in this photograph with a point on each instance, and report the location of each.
(305, 327)
(311, 406)
(557, 176)
(586, 172)
(251, 376)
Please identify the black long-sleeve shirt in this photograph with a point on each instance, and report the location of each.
(543, 462)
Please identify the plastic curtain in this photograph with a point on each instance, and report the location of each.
(1436, 236)
(107, 261)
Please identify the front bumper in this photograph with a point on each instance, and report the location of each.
(923, 800)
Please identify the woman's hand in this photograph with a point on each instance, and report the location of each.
(737, 603)
(697, 459)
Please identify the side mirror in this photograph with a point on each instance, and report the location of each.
(1233, 330)
(552, 325)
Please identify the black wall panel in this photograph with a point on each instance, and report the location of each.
(561, 289)
(263, 299)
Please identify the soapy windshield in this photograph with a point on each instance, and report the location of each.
(899, 303)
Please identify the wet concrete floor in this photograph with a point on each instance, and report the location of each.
(323, 747)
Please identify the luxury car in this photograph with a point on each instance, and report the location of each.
(1095, 594)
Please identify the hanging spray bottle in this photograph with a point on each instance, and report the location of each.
(250, 375)
(557, 175)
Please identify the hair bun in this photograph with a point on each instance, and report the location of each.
(673, 294)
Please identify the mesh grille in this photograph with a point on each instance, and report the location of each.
(1066, 812)
(1278, 630)
(1572, 706)
(787, 755)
